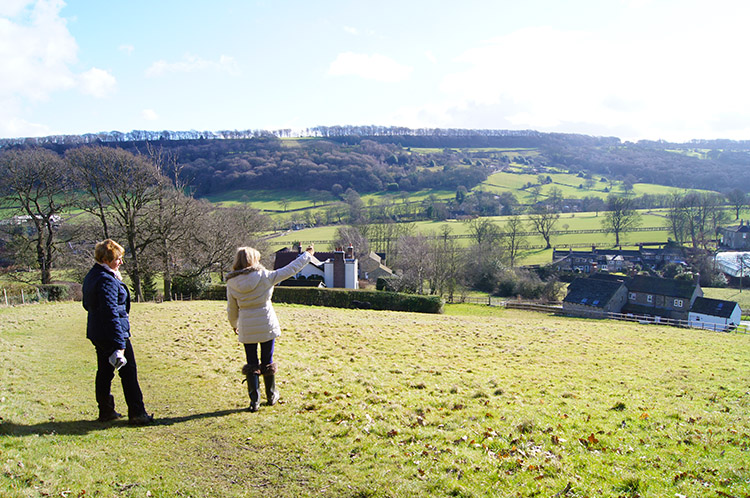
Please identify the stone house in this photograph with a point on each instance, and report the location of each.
(661, 297)
(594, 296)
(736, 236)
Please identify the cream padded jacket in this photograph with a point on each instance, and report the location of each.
(249, 305)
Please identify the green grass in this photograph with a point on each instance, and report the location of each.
(730, 294)
(568, 221)
(503, 404)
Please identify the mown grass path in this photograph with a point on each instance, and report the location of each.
(477, 402)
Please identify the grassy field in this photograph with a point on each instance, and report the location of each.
(568, 221)
(477, 402)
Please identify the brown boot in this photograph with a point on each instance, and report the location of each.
(269, 380)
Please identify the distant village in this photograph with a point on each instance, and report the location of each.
(607, 288)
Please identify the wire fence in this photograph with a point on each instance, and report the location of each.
(15, 298)
(556, 308)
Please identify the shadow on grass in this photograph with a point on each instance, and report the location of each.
(81, 427)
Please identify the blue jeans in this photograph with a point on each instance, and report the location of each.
(266, 353)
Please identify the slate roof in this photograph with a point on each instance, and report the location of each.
(713, 307)
(591, 291)
(285, 256)
(661, 286)
(609, 276)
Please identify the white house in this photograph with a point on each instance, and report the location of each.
(714, 314)
(337, 269)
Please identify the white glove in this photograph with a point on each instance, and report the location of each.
(117, 359)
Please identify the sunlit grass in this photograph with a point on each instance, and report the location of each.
(476, 402)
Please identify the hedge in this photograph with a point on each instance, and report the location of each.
(345, 298)
(54, 292)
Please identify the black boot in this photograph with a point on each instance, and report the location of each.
(269, 380)
(252, 376)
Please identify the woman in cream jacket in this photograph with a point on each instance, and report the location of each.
(251, 314)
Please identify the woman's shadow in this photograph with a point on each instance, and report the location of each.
(81, 427)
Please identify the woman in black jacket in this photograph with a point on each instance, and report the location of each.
(107, 300)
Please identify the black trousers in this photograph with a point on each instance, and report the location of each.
(266, 353)
(105, 372)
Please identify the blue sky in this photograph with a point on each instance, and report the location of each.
(635, 69)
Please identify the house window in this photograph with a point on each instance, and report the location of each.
(631, 296)
(678, 303)
(649, 298)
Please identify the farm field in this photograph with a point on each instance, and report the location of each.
(477, 402)
(277, 200)
(568, 184)
(568, 221)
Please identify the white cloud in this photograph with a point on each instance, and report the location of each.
(677, 87)
(36, 51)
(12, 126)
(430, 56)
(149, 115)
(12, 8)
(126, 48)
(351, 30)
(372, 67)
(191, 64)
(97, 82)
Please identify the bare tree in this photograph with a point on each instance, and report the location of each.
(383, 236)
(620, 216)
(483, 231)
(513, 240)
(413, 260)
(543, 220)
(700, 212)
(677, 219)
(354, 235)
(172, 217)
(738, 200)
(119, 188)
(555, 198)
(446, 260)
(36, 182)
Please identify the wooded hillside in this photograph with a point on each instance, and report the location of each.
(374, 158)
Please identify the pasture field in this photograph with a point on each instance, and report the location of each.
(282, 202)
(477, 402)
(568, 221)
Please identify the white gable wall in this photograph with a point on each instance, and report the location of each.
(699, 320)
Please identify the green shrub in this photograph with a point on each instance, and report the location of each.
(215, 292)
(387, 283)
(350, 298)
(344, 298)
(54, 292)
(190, 285)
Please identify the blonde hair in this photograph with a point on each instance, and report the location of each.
(107, 251)
(246, 257)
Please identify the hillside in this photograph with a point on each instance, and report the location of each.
(473, 403)
(370, 159)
